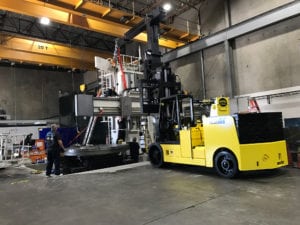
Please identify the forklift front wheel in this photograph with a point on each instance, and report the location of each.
(156, 156)
(226, 164)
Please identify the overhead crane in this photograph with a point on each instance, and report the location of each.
(95, 17)
(36, 51)
(80, 14)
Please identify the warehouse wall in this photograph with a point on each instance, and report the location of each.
(90, 76)
(264, 60)
(188, 71)
(267, 59)
(242, 10)
(211, 21)
(29, 94)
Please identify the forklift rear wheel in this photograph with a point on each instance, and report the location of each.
(156, 157)
(226, 164)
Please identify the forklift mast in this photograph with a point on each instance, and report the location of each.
(158, 81)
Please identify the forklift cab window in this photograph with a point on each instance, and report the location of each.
(176, 113)
(168, 124)
(186, 116)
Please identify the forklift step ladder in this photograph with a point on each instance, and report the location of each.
(148, 129)
(148, 140)
(90, 128)
(106, 80)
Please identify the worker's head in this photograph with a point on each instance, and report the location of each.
(54, 127)
(134, 139)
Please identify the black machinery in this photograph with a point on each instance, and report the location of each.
(158, 82)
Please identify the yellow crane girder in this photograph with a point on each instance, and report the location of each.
(91, 16)
(21, 49)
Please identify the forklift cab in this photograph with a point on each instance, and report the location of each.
(175, 113)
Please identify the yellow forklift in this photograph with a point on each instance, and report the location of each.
(242, 142)
(250, 141)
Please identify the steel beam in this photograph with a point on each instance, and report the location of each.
(64, 13)
(47, 53)
(264, 20)
(39, 59)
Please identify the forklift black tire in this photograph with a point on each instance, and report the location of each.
(226, 164)
(156, 156)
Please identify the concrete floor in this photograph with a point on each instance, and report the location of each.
(145, 195)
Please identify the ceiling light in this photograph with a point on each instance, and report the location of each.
(45, 21)
(167, 7)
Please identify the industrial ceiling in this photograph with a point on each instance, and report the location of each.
(79, 29)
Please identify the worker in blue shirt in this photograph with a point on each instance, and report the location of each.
(54, 147)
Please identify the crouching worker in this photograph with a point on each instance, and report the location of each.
(54, 147)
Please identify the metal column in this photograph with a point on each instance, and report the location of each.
(229, 63)
(202, 74)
